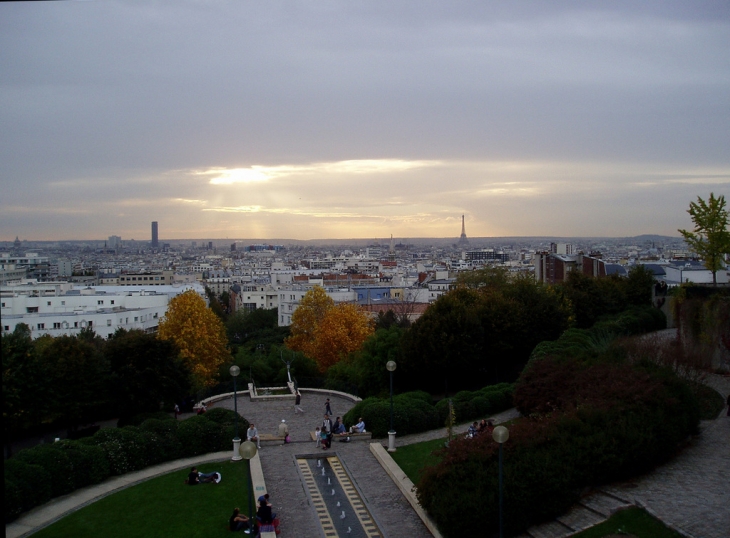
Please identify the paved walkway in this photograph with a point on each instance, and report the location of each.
(691, 493)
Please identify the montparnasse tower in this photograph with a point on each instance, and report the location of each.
(463, 241)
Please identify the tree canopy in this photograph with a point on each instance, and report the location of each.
(327, 332)
(199, 335)
(710, 238)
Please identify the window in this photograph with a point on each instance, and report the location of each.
(136, 319)
(99, 302)
(112, 301)
(41, 326)
(56, 325)
(31, 310)
(48, 303)
(63, 303)
(91, 323)
(76, 324)
(7, 327)
(108, 323)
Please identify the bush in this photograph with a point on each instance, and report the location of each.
(164, 434)
(411, 414)
(125, 448)
(88, 462)
(26, 486)
(471, 405)
(55, 463)
(198, 435)
(592, 421)
(226, 417)
(137, 420)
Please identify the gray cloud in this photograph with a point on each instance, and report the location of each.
(103, 103)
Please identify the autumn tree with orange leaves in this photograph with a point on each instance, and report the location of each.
(327, 332)
(199, 335)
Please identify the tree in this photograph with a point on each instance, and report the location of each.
(77, 375)
(23, 381)
(199, 335)
(144, 372)
(311, 310)
(710, 238)
(327, 332)
(343, 330)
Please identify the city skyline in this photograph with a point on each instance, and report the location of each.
(335, 121)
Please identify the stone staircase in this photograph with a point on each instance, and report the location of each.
(592, 509)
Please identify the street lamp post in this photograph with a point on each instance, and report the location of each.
(248, 451)
(500, 435)
(234, 371)
(390, 366)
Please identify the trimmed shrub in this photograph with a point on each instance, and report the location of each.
(55, 463)
(164, 435)
(124, 448)
(138, 419)
(226, 417)
(471, 405)
(199, 435)
(88, 462)
(591, 422)
(29, 487)
(411, 414)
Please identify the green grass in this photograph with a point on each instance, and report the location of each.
(632, 521)
(414, 458)
(162, 507)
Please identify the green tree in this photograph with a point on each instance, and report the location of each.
(77, 375)
(710, 238)
(144, 372)
(23, 381)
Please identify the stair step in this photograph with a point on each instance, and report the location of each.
(579, 518)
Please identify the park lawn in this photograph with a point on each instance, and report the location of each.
(632, 521)
(412, 459)
(161, 507)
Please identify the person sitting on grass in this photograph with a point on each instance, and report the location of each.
(238, 521)
(359, 427)
(195, 478)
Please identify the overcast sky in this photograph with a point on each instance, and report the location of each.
(307, 120)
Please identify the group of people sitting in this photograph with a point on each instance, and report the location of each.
(329, 429)
(478, 428)
(264, 516)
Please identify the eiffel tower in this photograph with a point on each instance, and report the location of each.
(463, 241)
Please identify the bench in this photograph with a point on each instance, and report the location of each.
(267, 439)
(365, 436)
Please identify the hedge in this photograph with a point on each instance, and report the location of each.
(33, 476)
(471, 405)
(412, 413)
(26, 486)
(590, 422)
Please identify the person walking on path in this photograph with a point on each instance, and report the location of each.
(177, 411)
(327, 408)
(297, 402)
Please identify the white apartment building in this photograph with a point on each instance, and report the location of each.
(60, 308)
